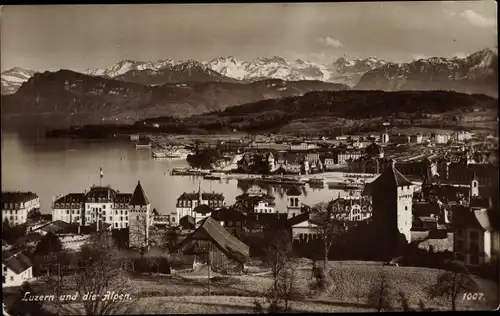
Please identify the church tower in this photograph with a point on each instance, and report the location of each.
(392, 198)
(293, 202)
(139, 218)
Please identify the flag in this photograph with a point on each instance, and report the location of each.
(101, 173)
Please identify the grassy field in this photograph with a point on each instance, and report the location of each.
(349, 285)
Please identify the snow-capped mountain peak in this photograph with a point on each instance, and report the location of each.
(13, 78)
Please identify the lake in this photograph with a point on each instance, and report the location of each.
(52, 167)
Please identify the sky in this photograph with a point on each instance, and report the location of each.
(78, 37)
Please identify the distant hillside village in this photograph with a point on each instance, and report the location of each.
(449, 209)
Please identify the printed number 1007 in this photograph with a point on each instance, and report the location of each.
(473, 296)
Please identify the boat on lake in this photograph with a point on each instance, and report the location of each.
(280, 180)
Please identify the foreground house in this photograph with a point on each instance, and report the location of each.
(16, 268)
(212, 244)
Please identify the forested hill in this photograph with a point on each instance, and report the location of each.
(322, 110)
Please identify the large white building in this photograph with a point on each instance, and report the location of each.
(16, 268)
(17, 205)
(187, 203)
(100, 202)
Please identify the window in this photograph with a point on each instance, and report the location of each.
(104, 207)
(116, 225)
(3, 279)
(110, 218)
(5, 269)
(137, 217)
(116, 212)
(474, 235)
(406, 208)
(104, 213)
(459, 244)
(121, 212)
(474, 248)
(126, 218)
(12, 278)
(474, 259)
(121, 218)
(67, 212)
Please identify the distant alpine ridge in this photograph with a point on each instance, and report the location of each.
(476, 73)
(12, 79)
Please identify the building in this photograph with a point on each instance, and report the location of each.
(140, 218)
(187, 202)
(17, 205)
(231, 219)
(16, 268)
(416, 139)
(294, 203)
(374, 151)
(343, 156)
(303, 229)
(351, 208)
(442, 138)
(400, 139)
(384, 138)
(101, 204)
(477, 236)
(462, 136)
(213, 245)
(392, 199)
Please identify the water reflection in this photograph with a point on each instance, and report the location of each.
(51, 167)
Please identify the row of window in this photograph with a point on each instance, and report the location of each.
(11, 212)
(7, 206)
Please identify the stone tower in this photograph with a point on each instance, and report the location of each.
(139, 218)
(392, 196)
(293, 202)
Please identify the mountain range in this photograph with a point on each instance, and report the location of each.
(92, 99)
(12, 79)
(476, 73)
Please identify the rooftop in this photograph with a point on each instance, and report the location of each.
(139, 196)
(18, 197)
(16, 261)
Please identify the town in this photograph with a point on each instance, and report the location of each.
(417, 200)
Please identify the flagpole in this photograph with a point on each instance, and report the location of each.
(100, 178)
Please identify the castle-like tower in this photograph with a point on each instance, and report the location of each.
(392, 196)
(139, 218)
(293, 202)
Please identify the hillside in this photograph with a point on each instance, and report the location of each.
(96, 99)
(327, 112)
(476, 73)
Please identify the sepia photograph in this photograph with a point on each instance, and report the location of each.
(249, 158)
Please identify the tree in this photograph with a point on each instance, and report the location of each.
(100, 272)
(21, 307)
(327, 227)
(204, 158)
(34, 214)
(452, 282)
(279, 257)
(47, 253)
(380, 295)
